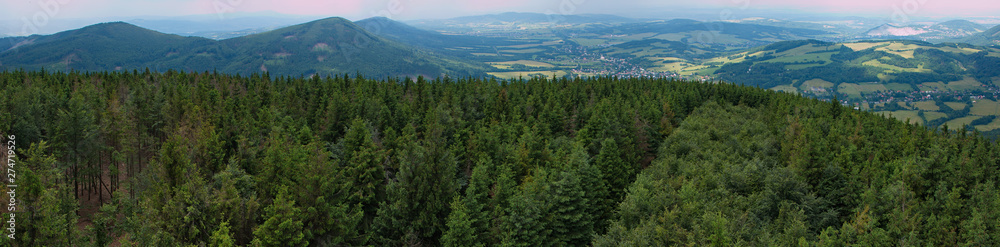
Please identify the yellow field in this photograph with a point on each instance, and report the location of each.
(985, 107)
(927, 106)
(862, 45)
(959, 50)
(903, 50)
(527, 74)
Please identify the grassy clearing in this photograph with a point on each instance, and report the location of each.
(671, 36)
(968, 83)
(958, 50)
(521, 46)
(903, 50)
(958, 106)
(959, 122)
(926, 106)
(525, 51)
(505, 65)
(589, 42)
(904, 115)
(815, 57)
(878, 64)
(991, 126)
(932, 86)
(785, 88)
(985, 107)
(855, 90)
(898, 87)
(818, 83)
(528, 74)
(931, 115)
(863, 45)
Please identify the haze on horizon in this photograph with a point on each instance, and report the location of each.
(22, 17)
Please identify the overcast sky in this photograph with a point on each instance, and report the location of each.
(18, 12)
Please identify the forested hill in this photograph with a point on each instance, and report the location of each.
(327, 46)
(168, 159)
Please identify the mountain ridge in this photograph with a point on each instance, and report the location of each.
(328, 46)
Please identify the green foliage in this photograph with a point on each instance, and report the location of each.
(283, 226)
(175, 158)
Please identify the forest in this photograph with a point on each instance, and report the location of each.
(207, 159)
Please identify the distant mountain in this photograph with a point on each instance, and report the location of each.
(106, 46)
(943, 30)
(537, 18)
(906, 64)
(692, 31)
(988, 37)
(896, 31)
(958, 28)
(523, 18)
(439, 42)
(326, 46)
(336, 45)
(192, 27)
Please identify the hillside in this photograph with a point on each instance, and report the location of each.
(988, 37)
(943, 31)
(523, 19)
(336, 45)
(106, 46)
(210, 159)
(328, 46)
(443, 43)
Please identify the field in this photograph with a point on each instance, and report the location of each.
(529, 63)
(816, 85)
(985, 107)
(524, 51)
(862, 45)
(526, 74)
(991, 126)
(892, 68)
(955, 105)
(855, 90)
(931, 116)
(959, 122)
(904, 115)
(785, 88)
(968, 83)
(926, 106)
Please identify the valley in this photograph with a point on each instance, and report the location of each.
(866, 65)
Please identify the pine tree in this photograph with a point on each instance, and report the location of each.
(283, 226)
(460, 226)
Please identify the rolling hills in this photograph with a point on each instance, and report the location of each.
(327, 46)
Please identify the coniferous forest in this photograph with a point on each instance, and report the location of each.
(206, 159)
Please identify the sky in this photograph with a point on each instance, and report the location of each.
(29, 15)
